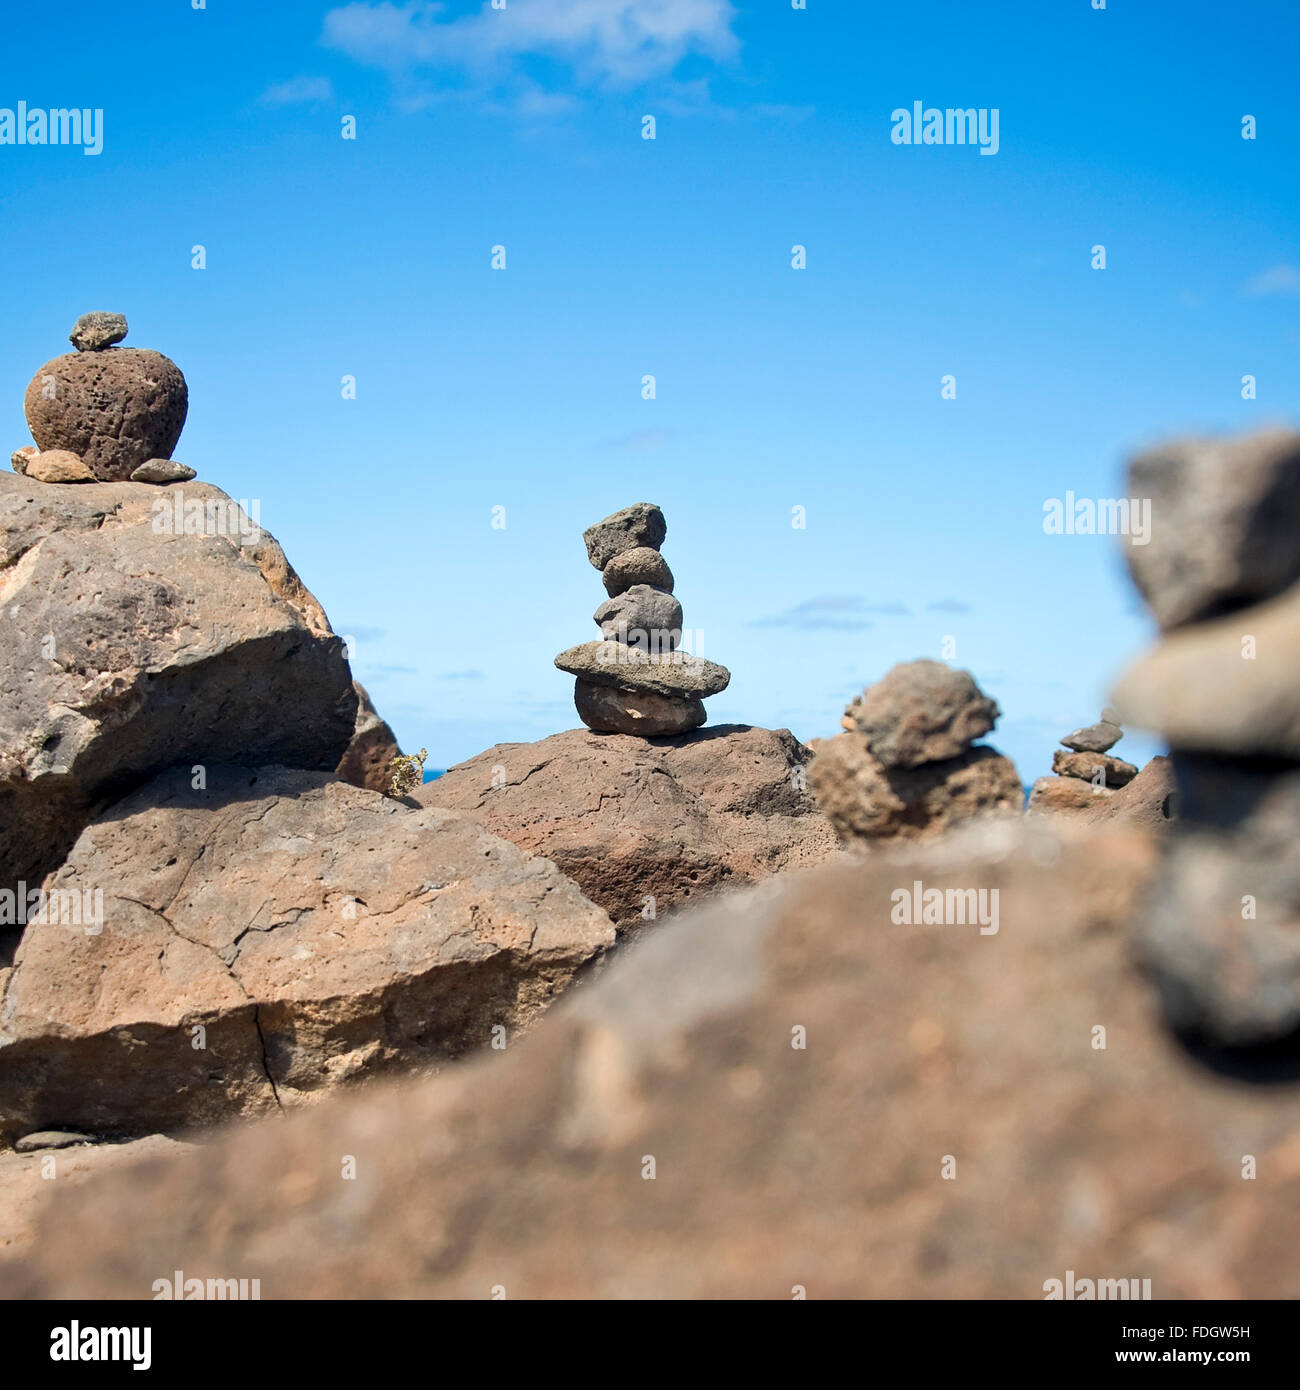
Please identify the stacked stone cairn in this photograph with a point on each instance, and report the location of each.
(1221, 574)
(104, 413)
(907, 766)
(1083, 769)
(638, 679)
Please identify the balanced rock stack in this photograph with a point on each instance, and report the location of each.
(905, 767)
(638, 679)
(104, 413)
(1221, 573)
(1084, 770)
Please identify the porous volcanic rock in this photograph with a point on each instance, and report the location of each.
(130, 647)
(303, 931)
(866, 801)
(835, 1103)
(921, 712)
(116, 409)
(367, 762)
(629, 820)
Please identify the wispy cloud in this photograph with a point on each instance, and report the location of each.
(620, 41)
(833, 613)
(461, 676)
(383, 672)
(298, 91)
(1282, 279)
(948, 605)
(638, 441)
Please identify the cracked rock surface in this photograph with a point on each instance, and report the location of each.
(304, 931)
(775, 1165)
(132, 645)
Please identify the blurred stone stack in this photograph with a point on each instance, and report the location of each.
(1222, 685)
(905, 767)
(638, 679)
(104, 413)
(1083, 769)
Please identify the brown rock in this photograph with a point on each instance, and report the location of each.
(1149, 802)
(1115, 771)
(26, 1186)
(818, 1166)
(1205, 689)
(922, 712)
(314, 932)
(1065, 794)
(116, 409)
(643, 565)
(866, 801)
(612, 711)
(627, 820)
(131, 646)
(1224, 517)
(373, 748)
(20, 458)
(57, 466)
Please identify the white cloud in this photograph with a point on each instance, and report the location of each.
(620, 41)
(298, 91)
(1282, 279)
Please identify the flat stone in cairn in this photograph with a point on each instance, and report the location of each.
(629, 668)
(1117, 773)
(163, 471)
(1095, 738)
(58, 466)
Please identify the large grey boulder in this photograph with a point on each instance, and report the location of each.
(265, 936)
(131, 645)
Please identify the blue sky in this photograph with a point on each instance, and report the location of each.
(818, 388)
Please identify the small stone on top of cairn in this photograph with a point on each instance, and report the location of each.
(637, 679)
